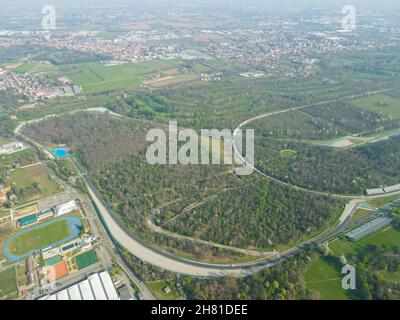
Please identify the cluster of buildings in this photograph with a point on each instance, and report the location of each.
(46, 212)
(368, 228)
(98, 286)
(35, 87)
(11, 147)
(378, 191)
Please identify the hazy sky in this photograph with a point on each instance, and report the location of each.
(393, 5)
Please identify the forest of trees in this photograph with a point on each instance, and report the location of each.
(243, 212)
(330, 169)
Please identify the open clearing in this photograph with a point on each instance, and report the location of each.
(389, 236)
(8, 282)
(323, 276)
(25, 177)
(379, 103)
(157, 288)
(96, 77)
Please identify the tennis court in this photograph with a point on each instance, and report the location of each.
(53, 260)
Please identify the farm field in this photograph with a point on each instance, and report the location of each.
(39, 237)
(379, 103)
(389, 236)
(8, 282)
(25, 177)
(323, 276)
(34, 67)
(96, 77)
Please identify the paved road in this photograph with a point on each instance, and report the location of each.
(98, 229)
(152, 255)
(242, 159)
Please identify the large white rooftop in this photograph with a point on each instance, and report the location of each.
(97, 286)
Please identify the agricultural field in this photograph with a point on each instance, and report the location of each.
(323, 275)
(381, 104)
(39, 237)
(35, 67)
(32, 183)
(96, 77)
(8, 282)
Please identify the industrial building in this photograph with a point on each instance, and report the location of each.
(368, 228)
(53, 201)
(371, 192)
(98, 286)
(392, 188)
(64, 208)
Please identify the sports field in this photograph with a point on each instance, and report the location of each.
(52, 261)
(86, 259)
(58, 271)
(39, 237)
(323, 276)
(379, 103)
(25, 177)
(96, 77)
(8, 282)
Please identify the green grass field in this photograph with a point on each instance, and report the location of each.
(34, 67)
(4, 213)
(86, 259)
(389, 236)
(380, 202)
(390, 276)
(323, 276)
(379, 103)
(157, 287)
(96, 77)
(23, 157)
(40, 237)
(24, 177)
(287, 153)
(8, 282)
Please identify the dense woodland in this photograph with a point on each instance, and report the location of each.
(329, 169)
(244, 212)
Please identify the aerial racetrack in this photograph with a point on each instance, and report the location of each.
(121, 175)
(333, 149)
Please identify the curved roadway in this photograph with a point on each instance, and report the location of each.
(150, 254)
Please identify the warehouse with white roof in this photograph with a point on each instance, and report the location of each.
(97, 286)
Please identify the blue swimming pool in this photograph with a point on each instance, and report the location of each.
(74, 225)
(60, 153)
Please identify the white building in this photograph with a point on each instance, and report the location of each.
(64, 208)
(98, 286)
(11, 147)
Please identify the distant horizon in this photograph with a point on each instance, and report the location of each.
(6, 5)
